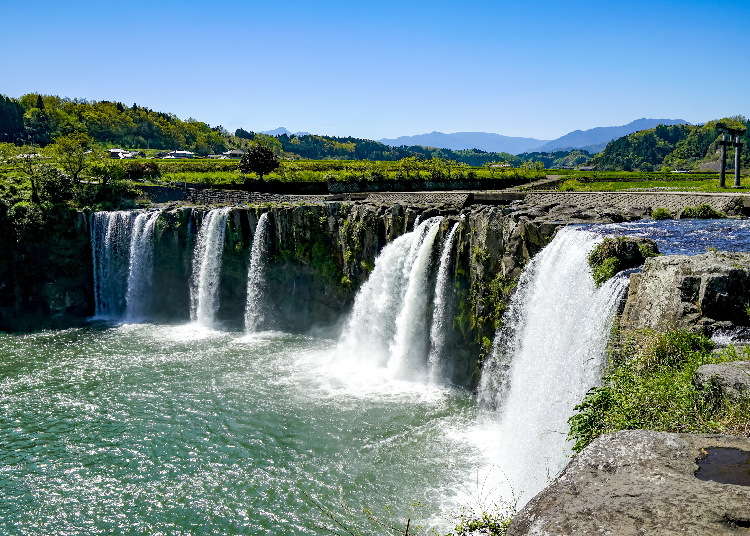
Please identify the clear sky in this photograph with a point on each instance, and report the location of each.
(388, 68)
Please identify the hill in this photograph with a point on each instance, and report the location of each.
(595, 139)
(679, 146)
(485, 141)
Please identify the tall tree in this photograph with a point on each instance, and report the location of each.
(74, 153)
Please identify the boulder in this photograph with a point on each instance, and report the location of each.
(706, 293)
(732, 378)
(639, 482)
(615, 254)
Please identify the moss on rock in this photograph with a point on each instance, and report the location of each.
(616, 254)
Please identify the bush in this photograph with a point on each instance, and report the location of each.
(571, 185)
(650, 386)
(661, 214)
(702, 212)
(486, 525)
(612, 255)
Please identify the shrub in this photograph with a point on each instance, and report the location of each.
(703, 212)
(612, 255)
(571, 185)
(650, 386)
(661, 214)
(486, 525)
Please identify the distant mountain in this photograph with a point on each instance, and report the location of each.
(594, 140)
(281, 130)
(485, 141)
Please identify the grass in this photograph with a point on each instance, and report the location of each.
(706, 185)
(650, 386)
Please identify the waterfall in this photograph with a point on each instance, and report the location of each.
(256, 281)
(110, 252)
(141, 266)
(410, 344)
(394, 296)
(549, 353)
(204, 281)
(441, 309)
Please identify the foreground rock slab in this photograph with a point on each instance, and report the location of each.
(644, 483)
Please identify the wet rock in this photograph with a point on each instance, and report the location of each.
(706, 293)
(640, 482)
(732, 378)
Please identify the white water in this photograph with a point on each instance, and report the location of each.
(410, 345)
(256, 284)
(207, 257)
(110, 247)
(440, 310)
(141, 266)
(548, 355)
(393, 303)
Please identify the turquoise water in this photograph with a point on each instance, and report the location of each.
(143, 429)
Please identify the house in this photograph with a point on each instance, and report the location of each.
(234, 153)
(180, 154)
(122, 153)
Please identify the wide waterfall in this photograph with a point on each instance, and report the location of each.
(441, 309)
(206, 269)
(390, 318)
(255, 310)
(110, 249)
(549, 353)
(123, 260)
(141, 266)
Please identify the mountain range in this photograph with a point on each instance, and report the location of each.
(592, 140)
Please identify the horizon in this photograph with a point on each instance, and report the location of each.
(389, 71)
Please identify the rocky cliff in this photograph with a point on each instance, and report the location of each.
(706, 293)
(318, 256)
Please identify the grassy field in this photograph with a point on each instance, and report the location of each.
(706, 185)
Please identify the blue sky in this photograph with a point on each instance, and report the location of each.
(383, 69)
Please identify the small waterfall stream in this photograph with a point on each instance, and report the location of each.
(550, 352)
(410, 345)
(206, 269)
(110, 247)
(141, 266)
(441, 309)
(255, 313)
(389, 318)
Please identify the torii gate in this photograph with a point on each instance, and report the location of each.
(737, 144)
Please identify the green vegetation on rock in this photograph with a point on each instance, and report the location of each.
(650, 385)
(661, 214)
(704, 212)
(613, 255)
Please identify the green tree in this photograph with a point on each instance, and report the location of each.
(259, 159)
(74, 153)
(24, 160)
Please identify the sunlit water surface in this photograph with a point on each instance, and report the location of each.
(141, 429)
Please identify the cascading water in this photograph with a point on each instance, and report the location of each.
(441, 309)
(207, 256)
(410, 345)
(141, 266)
(549, 354)
(395, 294)
(110, 247)
(256, 282)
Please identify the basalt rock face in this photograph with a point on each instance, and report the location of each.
(706, 293)
(640, 482)
(319, 255)
(45, 267)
